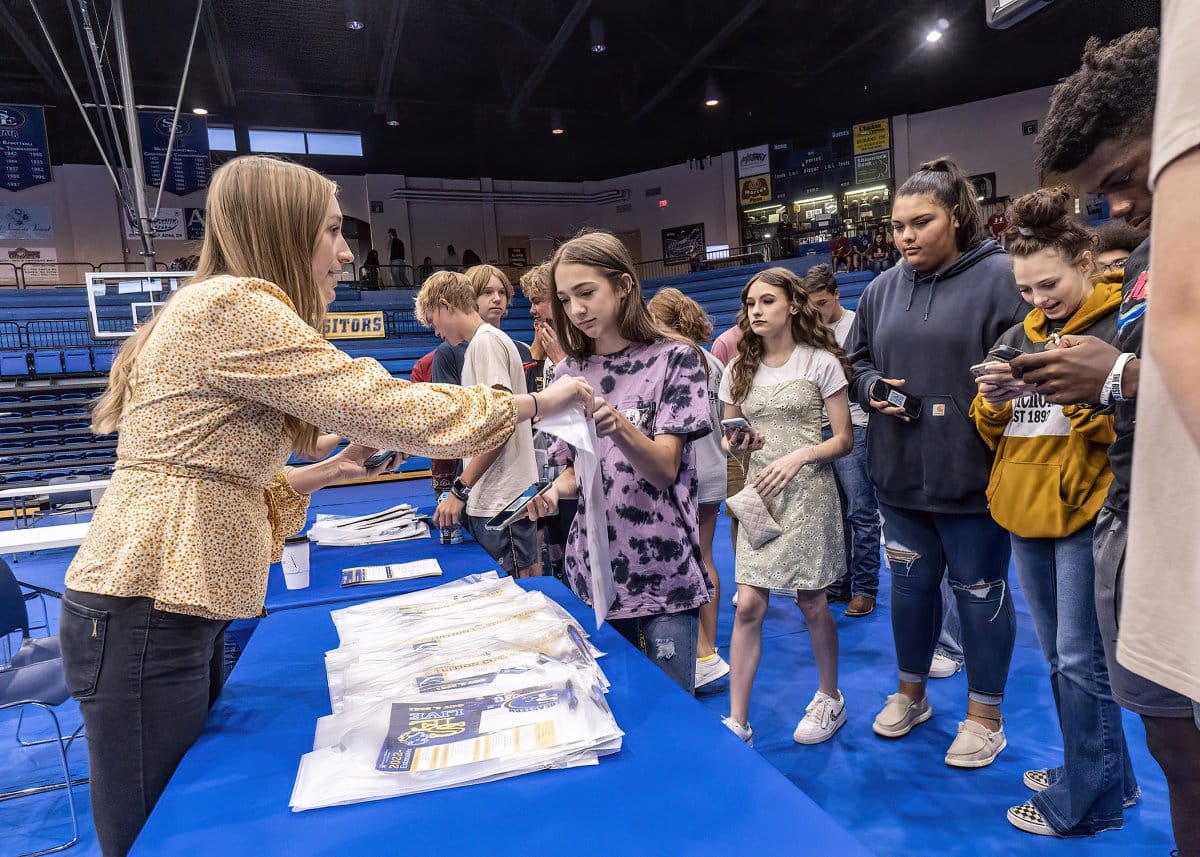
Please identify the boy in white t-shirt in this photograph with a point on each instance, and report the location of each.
(490, 481)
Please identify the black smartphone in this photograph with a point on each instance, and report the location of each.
(882, 392)
(384, 456)
(515, 510)
(1003, 354)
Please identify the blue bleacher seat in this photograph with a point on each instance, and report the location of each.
(92, 470)
(66, 456)
(103, 359)
(35, 458)
(17, 478)
(75, 426)
(72, 396)
(98, 453)
(11, 430)
(44, 441)
(7, 399)
(77, 361)
(74, 412)
(47, 362)
(11, 444)
(44, 397)
(42, 413)
(45, 427)
(14, 364)
(47, 475)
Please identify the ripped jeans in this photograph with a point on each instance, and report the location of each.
(974, 551)
(669, 640)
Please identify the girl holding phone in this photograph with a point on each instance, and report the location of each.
(788, 371)
(1048, 484)
(652, 407)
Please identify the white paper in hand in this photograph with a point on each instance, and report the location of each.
(574, 428)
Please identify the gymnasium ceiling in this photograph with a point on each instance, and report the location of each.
(474, 83)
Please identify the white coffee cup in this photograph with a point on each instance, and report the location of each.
(295, 564)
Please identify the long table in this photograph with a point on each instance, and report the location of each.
(682, 784)
(22, 539)
(326, 564)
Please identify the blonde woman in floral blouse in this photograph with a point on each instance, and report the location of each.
(211, 397)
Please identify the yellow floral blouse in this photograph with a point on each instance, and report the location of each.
(199, 503)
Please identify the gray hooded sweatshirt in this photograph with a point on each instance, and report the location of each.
(929, 329)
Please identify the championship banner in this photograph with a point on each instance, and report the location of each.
(872, 136)
(355, 325)
(24, 151)
(190, 168)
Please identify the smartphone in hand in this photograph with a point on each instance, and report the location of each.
(882, 392)
(384, 456)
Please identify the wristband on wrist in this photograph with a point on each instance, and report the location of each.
(1112, 391)
(535, 405)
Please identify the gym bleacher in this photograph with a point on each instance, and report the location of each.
(51, 367)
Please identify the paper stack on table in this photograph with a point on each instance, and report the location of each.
(472, 681)
(391, 525)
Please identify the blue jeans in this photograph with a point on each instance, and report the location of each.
(1058, 577)
(974, 551)
(860, 511)
(669, 640)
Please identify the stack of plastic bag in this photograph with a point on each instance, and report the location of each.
(395, 524)
(472, 681)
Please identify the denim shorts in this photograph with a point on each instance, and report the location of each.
(514, 547)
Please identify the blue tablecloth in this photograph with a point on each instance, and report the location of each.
(326, 564)
(682, 784)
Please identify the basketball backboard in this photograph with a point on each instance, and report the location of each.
(121, 301)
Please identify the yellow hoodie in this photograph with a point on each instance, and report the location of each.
(1051, 472)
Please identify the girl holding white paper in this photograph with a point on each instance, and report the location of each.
(652, 406)
(788, 371)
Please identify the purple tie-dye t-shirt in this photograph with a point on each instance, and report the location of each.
(653, 535)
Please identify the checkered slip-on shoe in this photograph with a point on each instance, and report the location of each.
(1025, 817)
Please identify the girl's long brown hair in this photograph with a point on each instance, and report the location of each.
(605, 252)
(264, 216)
(807, 329)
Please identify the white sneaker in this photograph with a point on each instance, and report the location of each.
(824, 716)
(942, 666)
(709, 671)
(742, 730)
(976, 746)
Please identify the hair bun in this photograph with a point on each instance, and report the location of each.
(1046, 210)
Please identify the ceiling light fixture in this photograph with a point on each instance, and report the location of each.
(354, 15)
(556, 123)
(596, 31)
(200, 111)
(392, 119)
(712, 95)
(933, 36)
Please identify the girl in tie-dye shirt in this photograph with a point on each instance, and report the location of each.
(653, 404)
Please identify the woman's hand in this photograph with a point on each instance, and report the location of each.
(775, 476)
(544, 505)
(997, 385)
(608, 420)
(566, 392)
(891, 410)
(350, 462)
(739, 441)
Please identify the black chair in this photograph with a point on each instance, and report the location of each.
(33, 677)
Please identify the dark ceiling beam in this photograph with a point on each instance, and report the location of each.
(215, 38)
(752, 69)
(732, 26)
(36, 58)
(397, 14)
(484, 7)
(548, 57)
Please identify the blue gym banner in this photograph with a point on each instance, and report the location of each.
(24, 151)
(189, 169)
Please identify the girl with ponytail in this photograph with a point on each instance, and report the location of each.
(920, 326)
